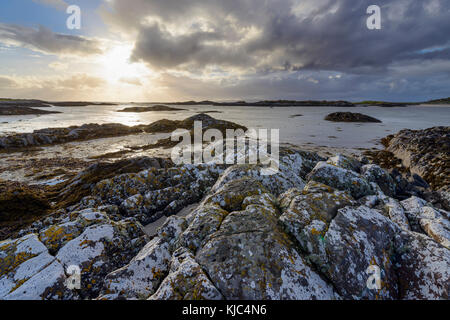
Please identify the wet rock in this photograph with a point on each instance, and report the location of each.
(150, 109)
(50, 136)
(20, 205)
(16, 111)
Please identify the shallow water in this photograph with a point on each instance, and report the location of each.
(308, 128)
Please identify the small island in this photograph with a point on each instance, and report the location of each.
(21, 111)
(350, 117)
(158, 108)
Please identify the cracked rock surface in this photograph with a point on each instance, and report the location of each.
(314, 230)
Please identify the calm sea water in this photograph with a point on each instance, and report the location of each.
(308, 128)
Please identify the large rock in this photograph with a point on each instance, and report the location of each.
(424, 152)
(316, 202)
(341, 179)
(292, 167)
(100, 249)
(374, 173)
(356, 239)
(250, 257)
(424, 218)
(142, 276)
(422, 267)
(186, 281)
(29, 272)
(152, 193)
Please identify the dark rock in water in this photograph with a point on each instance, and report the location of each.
(212, 111)
(81, 104)
(350, 117)
(20, 110)
(149, 109)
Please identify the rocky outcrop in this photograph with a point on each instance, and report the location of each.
(318, 229)
(350, 117)
(424, 152)
(150, 109)
(36, 265)
(51, 136)
(21, 110)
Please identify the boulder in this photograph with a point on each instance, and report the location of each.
(142, 276)
(341, 179)
(186, 281)
(422, 267)
(250, 257)
(374, 173)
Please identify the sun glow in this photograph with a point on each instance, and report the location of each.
(115, 66)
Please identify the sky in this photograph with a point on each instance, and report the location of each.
(178, 50)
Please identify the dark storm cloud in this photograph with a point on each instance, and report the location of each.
(164, 50)
(46, 41)
(310, 34)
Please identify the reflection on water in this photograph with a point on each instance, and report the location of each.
(307, 128)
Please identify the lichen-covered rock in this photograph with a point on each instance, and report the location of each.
(142, 276)
(231, 195)
(172, 228)
(205, 220)
(292, 167)
(250, 257)
(436, 226)
(101, 249)
(346, 247)
(356, 239)
(152, 193)
(374, 173)
(424, 152)
(186, 281)
(341, 179)
(424, 218)
(397, 213)
(57, 235)
(317, 202)
(422, 267)
(29, 272)
(345, 163)
(47, 284)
